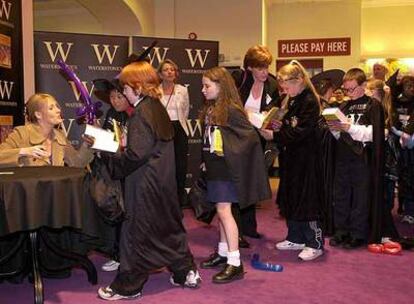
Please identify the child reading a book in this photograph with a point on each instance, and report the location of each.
(297, 137)
(358, 181)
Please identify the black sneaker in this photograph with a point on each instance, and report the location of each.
(192, 280)
(106, 293)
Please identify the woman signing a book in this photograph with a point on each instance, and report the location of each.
(296, 136)
(40, 142)
(234, 163)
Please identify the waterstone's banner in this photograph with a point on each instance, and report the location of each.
(99, 56)
(89, 56)
(11, 67)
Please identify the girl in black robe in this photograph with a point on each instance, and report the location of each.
(118, 113)
(297, 137)
(235, 168)
(377, 89)
(152, 234)
(403, 129)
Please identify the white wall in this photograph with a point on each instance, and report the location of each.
(387, 31)
(236, 24)
(112, 17)
(317, 20)
(28, 51)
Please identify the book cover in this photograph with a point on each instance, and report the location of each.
(334, 114)
(5, 52)
(6, 126)
(264, 120)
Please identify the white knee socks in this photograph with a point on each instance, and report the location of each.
(223, 249)
(233, 258)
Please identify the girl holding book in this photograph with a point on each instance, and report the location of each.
(297, 136)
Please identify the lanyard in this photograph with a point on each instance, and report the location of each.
(169, 98)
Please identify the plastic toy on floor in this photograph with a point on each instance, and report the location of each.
(257, 264)
(393, 248)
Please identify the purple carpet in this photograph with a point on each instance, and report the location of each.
(339, 276)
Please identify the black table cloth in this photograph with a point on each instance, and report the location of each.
(44, 208)
(32, 197)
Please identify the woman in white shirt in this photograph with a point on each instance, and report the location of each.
(258, 92)
(176, 101)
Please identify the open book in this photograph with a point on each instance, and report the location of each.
(104, 140)
(263, 120)
(334, 114)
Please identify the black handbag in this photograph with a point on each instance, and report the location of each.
(105, 192)
(204, 211)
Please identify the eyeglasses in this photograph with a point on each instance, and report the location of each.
(349, 90)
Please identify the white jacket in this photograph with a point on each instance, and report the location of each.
(182, 100)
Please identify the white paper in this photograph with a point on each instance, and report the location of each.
(104, 140)
(256, 119)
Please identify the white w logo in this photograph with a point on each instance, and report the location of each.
(194, 129)
(355, 118)
(105, 52)
(197, 56)
(59, 49)
(4, 9)
(66, 129)
(6, 88)
(76, 91)
(156, 53)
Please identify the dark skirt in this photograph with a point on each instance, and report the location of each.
(221, 191)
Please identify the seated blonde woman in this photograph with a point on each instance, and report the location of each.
(39, 142)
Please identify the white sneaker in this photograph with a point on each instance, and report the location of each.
(309, 254)
(385, 240)
(408, 219)
(108, 294)
(111, 265)
(288, 245)
(192, 280)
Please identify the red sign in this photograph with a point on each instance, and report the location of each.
(314, 47)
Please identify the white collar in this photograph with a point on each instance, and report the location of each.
(140, 98)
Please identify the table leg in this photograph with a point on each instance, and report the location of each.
(83, 261)
(38, 283)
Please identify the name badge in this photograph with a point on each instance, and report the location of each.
(268, 99)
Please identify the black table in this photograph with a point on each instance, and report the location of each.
(34, 199)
